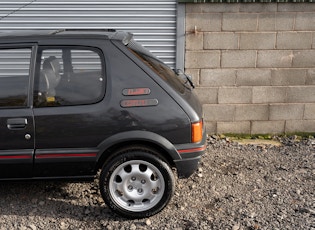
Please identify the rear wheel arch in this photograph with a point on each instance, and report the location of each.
(137, 139)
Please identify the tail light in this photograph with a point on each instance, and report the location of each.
(196, 131)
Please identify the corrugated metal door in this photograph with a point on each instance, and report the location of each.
(152, 22)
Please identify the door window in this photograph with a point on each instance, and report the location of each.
(14, 77)
(69, 76)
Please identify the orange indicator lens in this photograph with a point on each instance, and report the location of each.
(196, 134)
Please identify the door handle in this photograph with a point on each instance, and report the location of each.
(16, 123)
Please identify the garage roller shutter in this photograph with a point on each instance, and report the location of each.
(152, 22)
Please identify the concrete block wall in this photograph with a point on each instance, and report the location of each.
(254, 65)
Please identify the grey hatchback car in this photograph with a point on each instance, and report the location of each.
(76, 102)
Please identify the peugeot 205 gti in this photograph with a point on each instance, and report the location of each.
(77, 102)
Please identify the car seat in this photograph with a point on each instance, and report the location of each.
(51, 74)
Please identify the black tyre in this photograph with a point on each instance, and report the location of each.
(136, 183)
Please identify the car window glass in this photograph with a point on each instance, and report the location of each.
(14, 77)
(69, 76)
(160, 68)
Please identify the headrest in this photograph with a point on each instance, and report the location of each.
(52, 63)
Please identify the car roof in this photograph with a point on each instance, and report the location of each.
(35, 34)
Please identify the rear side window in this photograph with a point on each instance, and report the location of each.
(160, 68)
(69, 76)
(14, 77)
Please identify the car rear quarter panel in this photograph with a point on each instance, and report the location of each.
(166, 119)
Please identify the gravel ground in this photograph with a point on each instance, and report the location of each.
(237, 187)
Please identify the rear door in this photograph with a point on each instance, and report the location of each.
(16, 116)
(69, 86)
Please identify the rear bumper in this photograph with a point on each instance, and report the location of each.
(186, 167)
(190, 157)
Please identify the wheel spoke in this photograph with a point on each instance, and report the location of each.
(123, 174)
(156, 185)
(135, 170)
(148, 173)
